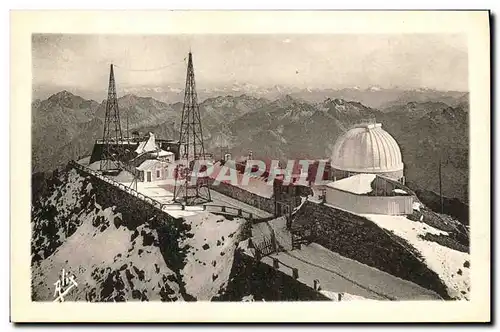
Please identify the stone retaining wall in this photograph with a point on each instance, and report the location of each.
(263, 203)
(360, 239)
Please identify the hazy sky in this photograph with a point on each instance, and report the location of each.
(315, 61)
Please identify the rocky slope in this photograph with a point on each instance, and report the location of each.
(428, 133)
(116, 255)
(441, 243)
(112, 261)
(64, 126)
(293, 128)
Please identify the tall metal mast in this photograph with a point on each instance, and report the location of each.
(191, 146)
(112, 138)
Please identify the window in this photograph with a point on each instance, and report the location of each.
(158, 173)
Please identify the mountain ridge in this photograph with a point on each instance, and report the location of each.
(376, 98)
(283, 128)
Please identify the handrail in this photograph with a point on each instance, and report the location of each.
(129, 190)
(157, 204)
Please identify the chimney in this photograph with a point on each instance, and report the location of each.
(250, 155)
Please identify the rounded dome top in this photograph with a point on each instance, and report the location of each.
(367, 148)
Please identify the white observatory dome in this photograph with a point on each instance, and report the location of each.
(367, 148)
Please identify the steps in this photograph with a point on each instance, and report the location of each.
(298, 241)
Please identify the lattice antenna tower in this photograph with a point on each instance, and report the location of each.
(191, 146)
(112, 138)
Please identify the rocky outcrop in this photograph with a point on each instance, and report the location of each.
(120, 248)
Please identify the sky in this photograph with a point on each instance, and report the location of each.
(410, 61)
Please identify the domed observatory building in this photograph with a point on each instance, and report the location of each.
(367, 149)
(367, 173)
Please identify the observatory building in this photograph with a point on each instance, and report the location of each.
(367, 148)
(367, 173)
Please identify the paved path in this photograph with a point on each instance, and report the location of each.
(340, 274)
(162, 192)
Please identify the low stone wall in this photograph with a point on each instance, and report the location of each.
(360, 239)
(263, 203)
(135, 212)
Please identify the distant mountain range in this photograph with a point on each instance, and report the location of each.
(375, 97)
(426, 123)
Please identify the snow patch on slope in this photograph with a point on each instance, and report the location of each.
(110, 263)
(451, 265)
(211, 242)
(58, 215)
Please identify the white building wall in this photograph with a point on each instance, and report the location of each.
(391, 205)
(159, 171)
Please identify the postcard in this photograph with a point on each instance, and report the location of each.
(287, 166)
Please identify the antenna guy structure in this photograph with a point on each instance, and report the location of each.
(189, 188)
(112, 138)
